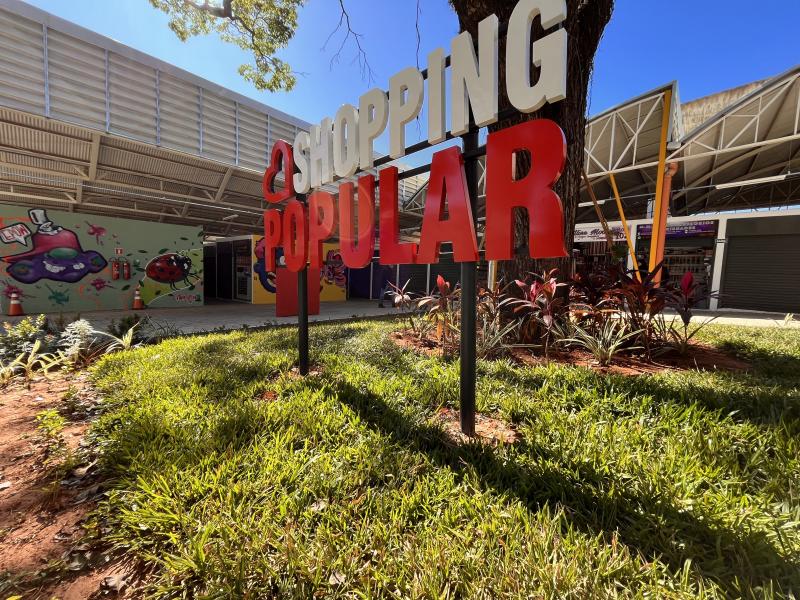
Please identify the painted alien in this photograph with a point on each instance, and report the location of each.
(56, 255)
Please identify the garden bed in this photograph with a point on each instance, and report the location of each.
(700, 356)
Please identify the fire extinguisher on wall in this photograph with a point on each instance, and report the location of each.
(115, 268)
(126, 269)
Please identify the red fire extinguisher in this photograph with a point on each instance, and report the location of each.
(114, 269)
(126, 269)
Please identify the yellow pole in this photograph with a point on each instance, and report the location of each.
(625, 225)
(656, 251)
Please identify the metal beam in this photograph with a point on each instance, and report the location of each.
(94, 155)
(223, 184)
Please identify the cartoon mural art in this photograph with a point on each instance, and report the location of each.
(167, 273)
(9, 289)
(266, 278)
(97, 231)
(56, 254)
(333, 272)
(332, 281)
(55, 261)
(170, 268)
(57, 297)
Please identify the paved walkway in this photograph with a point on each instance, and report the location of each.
(234, 315)
(746, 317)
(229, 315)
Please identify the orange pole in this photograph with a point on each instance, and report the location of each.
(672, 168)
(660, 208)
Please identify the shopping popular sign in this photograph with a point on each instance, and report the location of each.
(338, 148)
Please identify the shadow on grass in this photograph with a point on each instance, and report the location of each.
(737, 560)
(770, 363)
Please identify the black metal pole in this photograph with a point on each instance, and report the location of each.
(302, 315)
(469, 294)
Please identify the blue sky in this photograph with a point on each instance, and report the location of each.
(707, 45)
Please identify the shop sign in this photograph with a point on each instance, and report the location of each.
(340, 147)
(596, 234)
(681, 230)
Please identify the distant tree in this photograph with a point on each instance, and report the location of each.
(266, 26)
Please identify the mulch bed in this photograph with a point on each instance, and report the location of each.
(701, 357)
(488, 430)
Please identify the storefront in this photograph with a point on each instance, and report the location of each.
(689, 248)
(237, 273)
(750, 260)
(590, 248)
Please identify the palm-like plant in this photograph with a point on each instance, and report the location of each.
(604, 341)
(642, 301)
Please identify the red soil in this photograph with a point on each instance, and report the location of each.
(43, 512)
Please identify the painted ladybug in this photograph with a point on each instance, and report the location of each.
(170, 268)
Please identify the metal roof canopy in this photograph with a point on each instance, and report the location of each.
(90, 125)
(624, 140)
(753, 138)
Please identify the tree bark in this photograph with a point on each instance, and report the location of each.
(585, 23)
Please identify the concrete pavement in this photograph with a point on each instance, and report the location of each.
(222, 316)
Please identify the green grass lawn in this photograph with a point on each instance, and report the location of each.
(232, 477)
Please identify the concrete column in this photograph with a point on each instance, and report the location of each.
(719, 257)
(632, 235)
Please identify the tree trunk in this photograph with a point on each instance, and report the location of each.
(585, 23)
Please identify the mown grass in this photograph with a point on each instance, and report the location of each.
(678, 485)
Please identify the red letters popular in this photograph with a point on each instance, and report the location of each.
(392, 252)
(357, 249)
(281, 159)
(447, 179)
(295, 236)
(447, 215)
(322, 221)
(272, 236)
(545, 142)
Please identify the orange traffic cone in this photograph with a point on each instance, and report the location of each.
(15, 306)
(137, 300)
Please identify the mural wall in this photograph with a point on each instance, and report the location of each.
(59, 261)
(333, 277)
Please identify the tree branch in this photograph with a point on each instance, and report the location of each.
(361, 55)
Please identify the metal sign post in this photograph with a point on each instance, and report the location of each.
(469, 293)
(302, 313)
(302, 320)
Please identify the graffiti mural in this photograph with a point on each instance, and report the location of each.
(333, 272)
(266, 278)
(58, 261)
(332, 279)
(56, 252)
